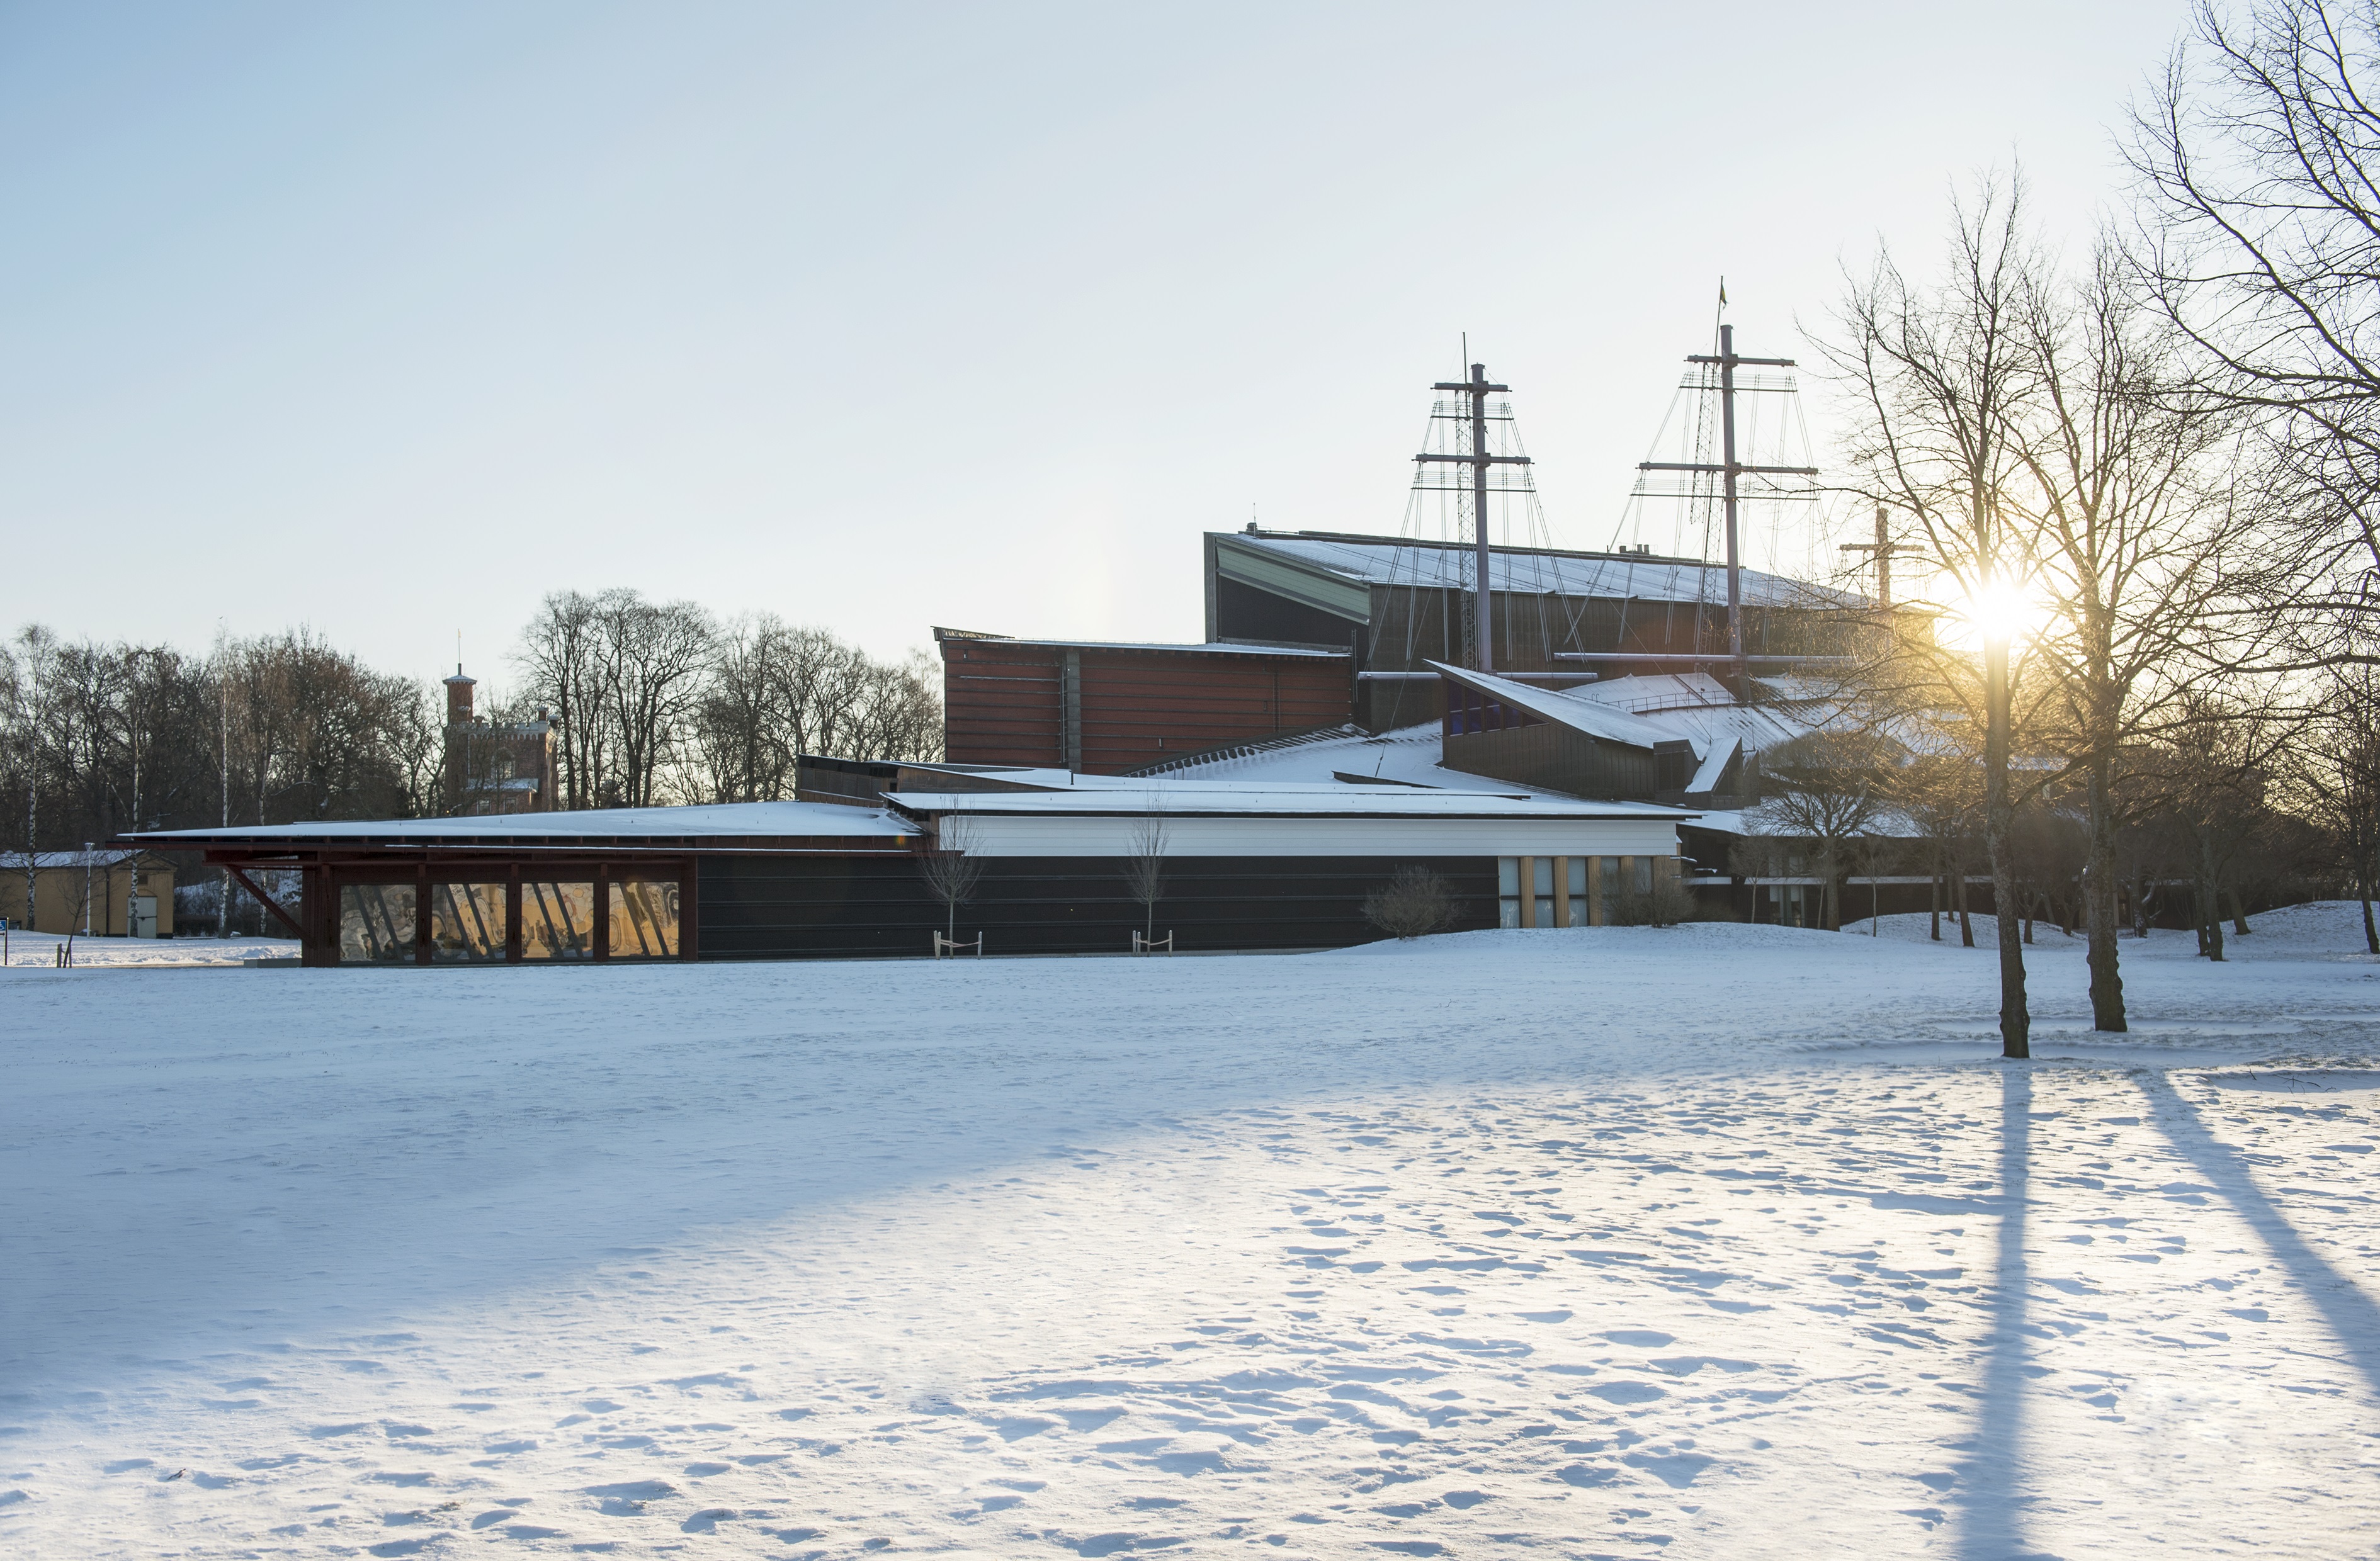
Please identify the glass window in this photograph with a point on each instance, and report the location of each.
(1508, 892)
(1543, 874)
(557, 921)
(644, 921)
(1577, 876)
(376, 924)
(466, 923)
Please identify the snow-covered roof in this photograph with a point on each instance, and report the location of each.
(1406, 757)
(1209, 647)
(1166, 796)
(15, 861)
(1713, 769)
(1391, 560)
(1641, 692)
(1589, 715)
(744, 819)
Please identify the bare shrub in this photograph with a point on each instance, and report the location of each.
(1665, 903)
(1415, 904)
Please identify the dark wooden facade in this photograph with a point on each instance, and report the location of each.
(768, 908)
(1484, 736)
(776, 903)
(1104, 709)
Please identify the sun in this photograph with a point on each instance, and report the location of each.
(1998, 610)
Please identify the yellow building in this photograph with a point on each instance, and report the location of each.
(106, 893)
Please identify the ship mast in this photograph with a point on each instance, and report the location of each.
(1729, 470)
(1477, 458)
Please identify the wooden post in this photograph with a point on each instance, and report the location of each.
(1528, 891)
(421, 914)
(1562, 891)
(602, 912)
(1594, 892)
(513, 918)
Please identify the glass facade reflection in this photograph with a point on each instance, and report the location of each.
(557, 921)
(376, 924)
(644, 921)
(466, 923)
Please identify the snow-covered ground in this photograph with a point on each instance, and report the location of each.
(38, 950)
(1714, 1241)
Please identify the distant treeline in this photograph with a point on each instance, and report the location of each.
(652, 702)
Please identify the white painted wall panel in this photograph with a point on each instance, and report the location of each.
(1014, 835)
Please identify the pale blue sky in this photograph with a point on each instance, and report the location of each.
(391, 319)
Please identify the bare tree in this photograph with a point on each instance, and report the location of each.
(2213, 779)
(559, 660)
(2138, 517)
(1755, 855)
(653, 656)
(2338, 771)
(2258, 161)
(774, 692)
(1828, 790)
(29, 663)
(1143, 861)
(953, 869)
(1939, 374)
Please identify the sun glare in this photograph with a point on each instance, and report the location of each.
(1998, 610)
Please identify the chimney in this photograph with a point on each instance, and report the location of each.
(458, 698)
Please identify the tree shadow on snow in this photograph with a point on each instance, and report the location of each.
(1990, 1482)
(2353, 1319)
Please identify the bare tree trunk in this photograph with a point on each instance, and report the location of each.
(2239, 916)
(2210, 913)
(1999, 812)
(1966, 923)
(2099, 908)
(2371, 933)
(1934, 889)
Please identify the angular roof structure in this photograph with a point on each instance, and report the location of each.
(1389, 561)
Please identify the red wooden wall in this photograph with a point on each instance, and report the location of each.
(1007, 701)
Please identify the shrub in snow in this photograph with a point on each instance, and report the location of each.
(1413, 904)
(1666, 903)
